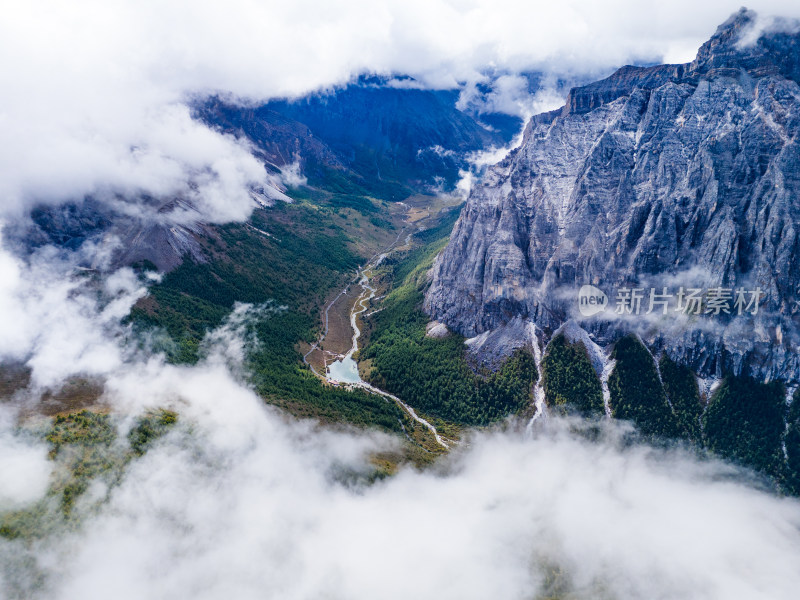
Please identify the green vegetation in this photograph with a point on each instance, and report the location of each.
(83, 446)
(411, 266)
(359, 203)
(440, 231)
(745, 420)
(680, 385)
(792, 442)
(744, 423)
(432, 375)
(333, 179)
(88, 436)
(288, 256)
(250, 263)
(280, 376)
(636, 392)
(149, 428)
(349, 182)
(568, 378)
(87, 429)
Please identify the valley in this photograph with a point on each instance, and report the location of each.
(289, 335)
(370, 313)
(440, 300)
(329, 357)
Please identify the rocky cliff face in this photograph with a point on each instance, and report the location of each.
(667, 176)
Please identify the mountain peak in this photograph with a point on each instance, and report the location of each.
(736, 23)
(760, 46)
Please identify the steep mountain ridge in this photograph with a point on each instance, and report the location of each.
(673, 175)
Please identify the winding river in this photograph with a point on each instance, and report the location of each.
(344, 371)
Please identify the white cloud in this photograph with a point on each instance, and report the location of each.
(93, 94)
(24, 465)
(59, 322)
(248, 506)
(238, 501)
(291, 175)
(510, 94)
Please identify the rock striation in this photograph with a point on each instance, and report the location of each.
(665, 176)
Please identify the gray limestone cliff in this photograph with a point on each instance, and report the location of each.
(666, 176)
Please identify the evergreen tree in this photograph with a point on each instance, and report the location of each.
(745, 423)
(636, 392)
(680, 385)
(568, 378)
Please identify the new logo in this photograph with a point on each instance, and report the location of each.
(591, 300)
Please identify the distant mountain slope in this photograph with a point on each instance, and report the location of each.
(367, 139)
(375, 137)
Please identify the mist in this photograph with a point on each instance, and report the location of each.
(96, 95)
(240, 500)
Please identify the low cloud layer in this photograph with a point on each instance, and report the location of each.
(60, 321)
(94, 94)
(24, 465)
(240, 501)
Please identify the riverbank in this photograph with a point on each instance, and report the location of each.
(333, 357)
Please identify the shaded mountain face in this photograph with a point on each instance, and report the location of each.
(162, 235)
(665, 176)
(368, 137)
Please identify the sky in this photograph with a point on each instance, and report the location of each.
(238, 501)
